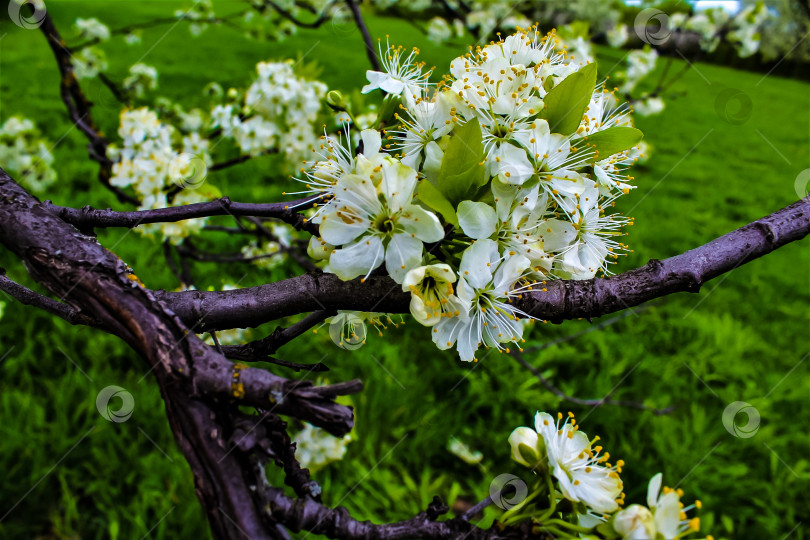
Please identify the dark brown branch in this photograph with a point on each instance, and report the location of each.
(189, 373)
(290, 17)
(260, 388)
(309, 515)
(117, 93)
(28, 297)
(269, 435)
(253, 306)
(288, 212)
(79, 107)
(554, 301)
(261, 349)
(686, 272)
(77, 269)
(367, 40)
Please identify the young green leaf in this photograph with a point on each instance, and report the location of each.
(612, 141)
(433, 199)
(462, 169)
(566, 102)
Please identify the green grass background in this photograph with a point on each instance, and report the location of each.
(67, 473)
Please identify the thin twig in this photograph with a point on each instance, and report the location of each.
(361, 24)
(28, 297)
(262, 348)
(518, 357)
(289, 212)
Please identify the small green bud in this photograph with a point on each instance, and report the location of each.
(336, 101)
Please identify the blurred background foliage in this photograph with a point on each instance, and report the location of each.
(68, 473)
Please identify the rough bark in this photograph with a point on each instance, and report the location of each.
(194, 379)
(554, 301)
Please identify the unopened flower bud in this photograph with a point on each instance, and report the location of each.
(527, 447)
(335, 100)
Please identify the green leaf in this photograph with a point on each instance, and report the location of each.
(433, 199)
(566, 103)
(612, 141)
(462, 169)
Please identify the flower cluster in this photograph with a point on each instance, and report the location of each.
(270, 254)
(581, 470)
(640, 63)
(575, 468)
(278, 110)
(92, 29)
(89, 62)
(141, 79)
(746, 34)
(162, 167)
(500, 177)
(199, 15)
(315, 448)
(743, 30)
(25, 154)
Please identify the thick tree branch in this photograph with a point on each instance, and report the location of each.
(190, 374)
(554, 300)
(253, 306)
(87, 217)
(686, 272)
(260, 388)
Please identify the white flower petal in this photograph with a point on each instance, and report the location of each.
(421, 223)
(509, 272)
(371, 141)
(477, 219)
(557, 235)
(342, 227)
(512, 165)
(357, 259)
(478, 262)
(398, 185)
(653, 489)
(403, 253)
